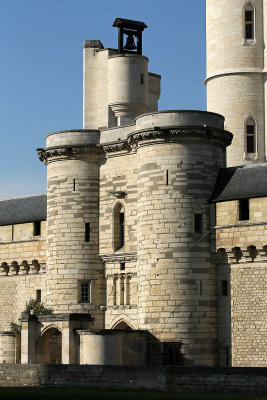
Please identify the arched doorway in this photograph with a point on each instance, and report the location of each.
(49, 348)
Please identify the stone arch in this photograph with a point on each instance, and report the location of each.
(49, 346)
(122, 322)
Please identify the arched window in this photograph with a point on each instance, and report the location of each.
(119, 222)
(249, 21)
(250, 135)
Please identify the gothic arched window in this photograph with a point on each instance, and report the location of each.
(249, 21)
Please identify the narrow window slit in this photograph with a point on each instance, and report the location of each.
(38, 295)
(87, 232)
(74, 185)
(167, 177)
(198, 225)
(224, 288)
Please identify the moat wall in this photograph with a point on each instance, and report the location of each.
(185, 379)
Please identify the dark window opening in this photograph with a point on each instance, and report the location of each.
(200, 287)
(244, 210)
(250, 138)
(74, 185)
(142, 79)
(249, 24)
(38, 295)
(37, 228)
(85, 292)
(198, 223)
(227, 356)
(87, 232)
(224, 288)
(121, 229)
(122, 266)
(167, 177)
(118, 227)
(172, 353)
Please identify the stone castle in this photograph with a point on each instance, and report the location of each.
(151, 243)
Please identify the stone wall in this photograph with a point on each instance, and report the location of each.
(16, 291)
(242, 262)
(175, 379)
(22, 269)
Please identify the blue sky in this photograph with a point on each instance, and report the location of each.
(41, 69)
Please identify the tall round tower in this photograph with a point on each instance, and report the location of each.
(178, 156)
(74, 272)
(235, 74)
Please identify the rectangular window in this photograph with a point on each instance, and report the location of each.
(172, 353)
(244, 210)
(224, 288)
(249, 24)
(38, 295)
(250, 139)
(122, 266)
(37, 228)
(121, 229)
(167, 177)
(87, 232)
(85, 292)
(74, 185)
(142, 79)
(198, 223)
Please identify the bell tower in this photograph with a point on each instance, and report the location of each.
(236, 74)
(117, 86)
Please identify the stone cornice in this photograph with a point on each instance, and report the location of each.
(118, 258)
(116, 147)
(62, 152)
(122, 275)
(183, 134)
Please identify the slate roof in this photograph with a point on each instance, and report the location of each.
(23, 209)
(242, 182)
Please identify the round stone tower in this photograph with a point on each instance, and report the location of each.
(128, 86)
(74, 273)
(178, 157)
(236, 76)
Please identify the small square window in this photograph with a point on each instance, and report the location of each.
(85, 292)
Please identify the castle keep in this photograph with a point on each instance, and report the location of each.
(149, 246)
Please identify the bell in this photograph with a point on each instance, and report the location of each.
(130, 45)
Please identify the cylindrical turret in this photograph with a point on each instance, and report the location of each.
(74, 273)
(128, 86)
(178, 162)
(235, 80)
